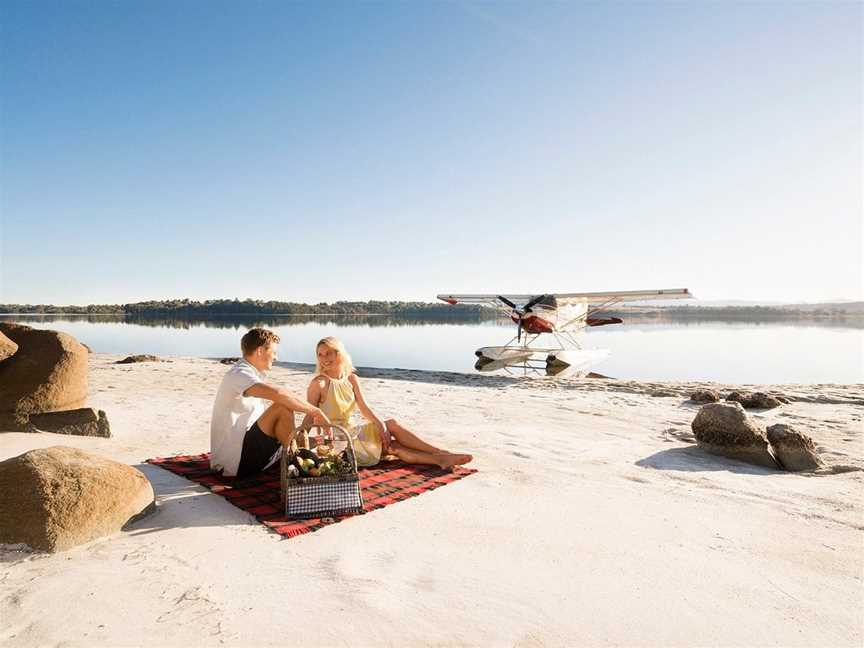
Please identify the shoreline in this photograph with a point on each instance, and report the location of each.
(766, 315)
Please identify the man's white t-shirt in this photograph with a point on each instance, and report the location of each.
(233, 415)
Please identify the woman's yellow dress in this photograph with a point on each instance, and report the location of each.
(339, 404)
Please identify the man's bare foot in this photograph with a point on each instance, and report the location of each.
(449, 460)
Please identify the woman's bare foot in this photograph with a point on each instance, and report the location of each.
(449, 460)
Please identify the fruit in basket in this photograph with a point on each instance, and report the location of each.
(315, 472)
(307, 454)
(305, 464)
(327, 468)
(323, 450)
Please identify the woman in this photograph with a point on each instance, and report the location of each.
(335, 389)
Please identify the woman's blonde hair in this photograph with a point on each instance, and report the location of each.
(336, 345)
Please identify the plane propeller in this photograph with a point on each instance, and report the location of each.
(521, 312)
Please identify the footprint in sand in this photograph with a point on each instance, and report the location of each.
(424, 583)
(638, 480)
(792, 416)
(679, 435)
(385, 558)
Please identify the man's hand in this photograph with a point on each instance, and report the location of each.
(320, 418)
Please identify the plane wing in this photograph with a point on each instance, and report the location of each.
(573, 298)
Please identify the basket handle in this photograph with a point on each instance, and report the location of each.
(332, 428)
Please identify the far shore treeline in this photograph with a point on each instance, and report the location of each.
(216, 308)
(222, 307)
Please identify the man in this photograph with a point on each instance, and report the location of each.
(246, 432)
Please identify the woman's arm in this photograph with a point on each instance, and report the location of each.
(366, 411)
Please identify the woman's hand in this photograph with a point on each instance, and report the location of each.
(385, 436)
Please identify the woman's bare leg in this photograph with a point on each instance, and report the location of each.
(408, 439)
(441, 459)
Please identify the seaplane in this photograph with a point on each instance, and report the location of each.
(559, 318)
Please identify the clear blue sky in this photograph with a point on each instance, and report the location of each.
(394, 150)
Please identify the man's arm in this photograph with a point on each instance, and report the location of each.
(286, 399)
(313, 396)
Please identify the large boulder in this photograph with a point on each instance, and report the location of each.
(46, 374)
(794, 450)
(724, 429)
(7, 347)
(56, 498)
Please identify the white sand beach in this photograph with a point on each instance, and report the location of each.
(593, 521)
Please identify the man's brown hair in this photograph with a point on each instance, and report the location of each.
(257, 337)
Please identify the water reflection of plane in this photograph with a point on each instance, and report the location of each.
(559, 317)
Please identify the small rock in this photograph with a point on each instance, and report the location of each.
(736, 397)
(592, 374)
(80, 422)
(229, 361)
(705, 396)
(139, 358)
(661, 393)
(725, 429)
(794, 450)
(761, 400)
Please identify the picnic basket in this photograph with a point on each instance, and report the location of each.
(306, 497)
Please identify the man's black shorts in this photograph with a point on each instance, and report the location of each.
(258, 452)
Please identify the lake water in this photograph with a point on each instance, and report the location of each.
(732, 352)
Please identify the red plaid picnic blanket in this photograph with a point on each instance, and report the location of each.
(387, 483)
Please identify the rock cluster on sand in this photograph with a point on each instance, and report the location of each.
(725, 429)
(139, 358)
(56, 498)
(757, 400)
(47, 372)
(794, 450)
